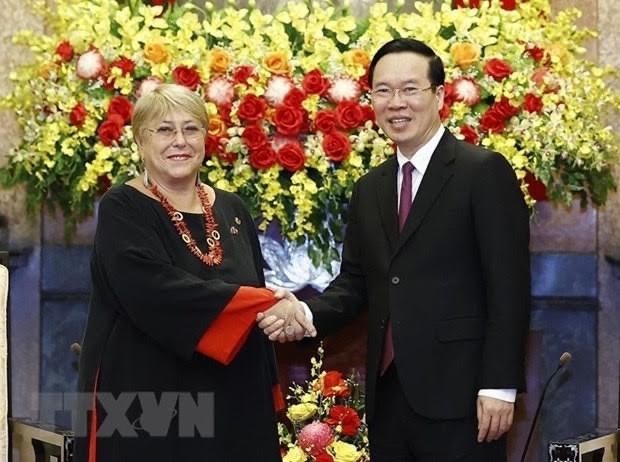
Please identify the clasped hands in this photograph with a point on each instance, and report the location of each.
(286, 320)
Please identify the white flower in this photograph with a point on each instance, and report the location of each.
(90, 65)
(466, 91)
(277, 89)
(220, 91)
(344, 88)
(148, 85)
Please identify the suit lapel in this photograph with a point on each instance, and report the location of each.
(387, 200)
(437, 174)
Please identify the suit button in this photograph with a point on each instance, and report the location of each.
(395, 280)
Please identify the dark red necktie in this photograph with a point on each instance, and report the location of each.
(403, 211)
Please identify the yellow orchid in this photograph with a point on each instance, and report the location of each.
(561, 99)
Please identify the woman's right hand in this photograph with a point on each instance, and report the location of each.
(286, 320)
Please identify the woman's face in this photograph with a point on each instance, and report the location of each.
(173, 148)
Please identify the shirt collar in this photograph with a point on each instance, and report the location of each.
(422, 157)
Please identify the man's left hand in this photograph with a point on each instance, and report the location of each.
(494, 418)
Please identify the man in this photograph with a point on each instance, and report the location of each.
(436, 248)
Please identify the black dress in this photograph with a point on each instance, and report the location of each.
(151, 303)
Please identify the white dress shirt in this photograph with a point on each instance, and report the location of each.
(420, 161)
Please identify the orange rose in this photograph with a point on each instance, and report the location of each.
(465, 54)
(356, 57)
(156, 53)
(46, 70)
(219, 60)
(276, 62)
(217, 127)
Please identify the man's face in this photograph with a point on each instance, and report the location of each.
(408, 117)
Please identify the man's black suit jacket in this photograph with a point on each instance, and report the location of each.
(455, 284)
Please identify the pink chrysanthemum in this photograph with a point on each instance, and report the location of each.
(344, 89)
(467, 91)
(220, 91)
(315, 437)
(90, 65)
(277, 89)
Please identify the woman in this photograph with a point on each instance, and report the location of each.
(178, 368)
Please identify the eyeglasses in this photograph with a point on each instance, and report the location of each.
(190, 132)
(386, 93)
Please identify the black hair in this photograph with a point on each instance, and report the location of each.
(436, 72)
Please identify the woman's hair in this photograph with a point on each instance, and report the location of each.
(166, 98)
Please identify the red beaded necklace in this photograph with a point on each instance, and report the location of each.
(215, 255)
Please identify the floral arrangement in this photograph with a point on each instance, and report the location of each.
(291, 125)
(326, 419)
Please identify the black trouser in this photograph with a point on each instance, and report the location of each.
(398, 434)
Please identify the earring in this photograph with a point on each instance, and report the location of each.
(145, 180)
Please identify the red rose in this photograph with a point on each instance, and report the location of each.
(469, 134)
(291, 157)
(65, 51)
(294, 98)
(336, 146)
(124, 64)
(349, 114)
(505, 109)
(254, 137)
(315, 83)
(467, 3)
(227, 157)
(536, 188)
(363, 81)
(325, 121)
(263, 158)
(78, 115)
(121, 106)
(369, 113)
(537, 54)
(186, 76)
(241, 74)
(444, 112)
(213, 145)
(497, 69)
(252, 108)
(509, 5)
(111, 129)
(449, 94)
(323, 457)
(532, 103)
(103, 184)
(346, 417)
(492, 122)
(335, 385)
(288, 120)
(107, 81)
(225, 113)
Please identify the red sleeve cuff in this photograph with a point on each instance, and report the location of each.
(278, 398)
(225, 336)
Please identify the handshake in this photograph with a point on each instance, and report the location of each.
(286, 320)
